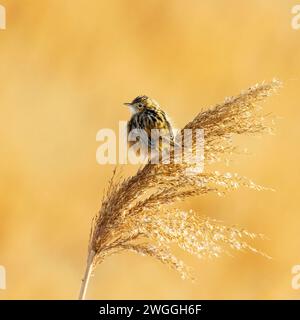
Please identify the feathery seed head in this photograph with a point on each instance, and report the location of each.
(136, 214)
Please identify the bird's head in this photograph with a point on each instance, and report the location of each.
(141, 103)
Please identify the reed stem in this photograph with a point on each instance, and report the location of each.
(87, 275)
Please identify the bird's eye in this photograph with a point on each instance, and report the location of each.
(140, 106)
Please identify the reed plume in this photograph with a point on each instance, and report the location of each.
(136, 212)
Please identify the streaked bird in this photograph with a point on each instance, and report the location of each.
(153, 123)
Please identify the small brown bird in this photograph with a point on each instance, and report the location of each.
(147, 115)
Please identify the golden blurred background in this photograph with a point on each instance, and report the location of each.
(67, 66)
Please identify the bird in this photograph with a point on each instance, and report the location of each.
(146, 116)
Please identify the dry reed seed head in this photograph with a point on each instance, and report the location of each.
(135, 213)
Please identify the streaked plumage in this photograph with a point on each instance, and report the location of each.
(147, 115)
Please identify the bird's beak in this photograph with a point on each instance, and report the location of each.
(128, 104)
